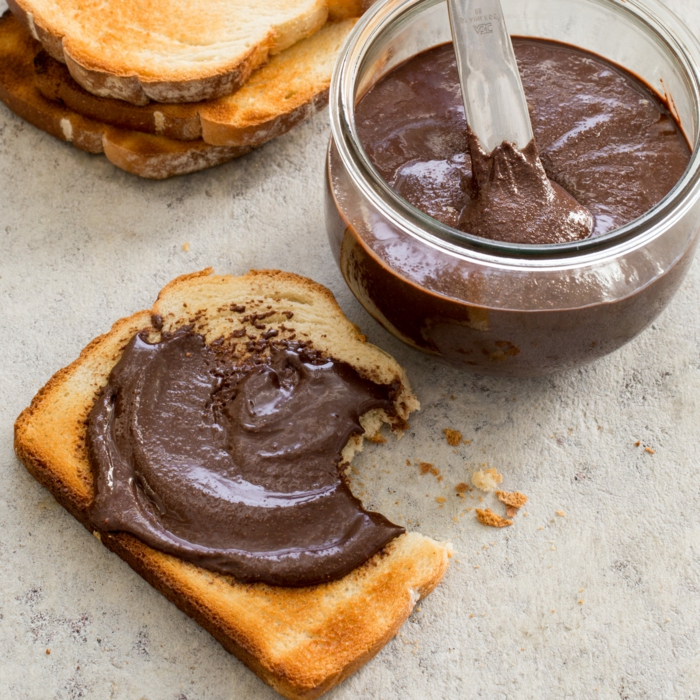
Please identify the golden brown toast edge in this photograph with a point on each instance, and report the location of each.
(120, 82)
(239, 616)
(142, 154)
(291, 88)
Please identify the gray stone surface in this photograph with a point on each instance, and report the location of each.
(601, 603)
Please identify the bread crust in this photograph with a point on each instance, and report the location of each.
(128, 80)
(291, 88)
(300, 641)
(236, 131)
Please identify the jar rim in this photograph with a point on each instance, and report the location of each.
(680, 42)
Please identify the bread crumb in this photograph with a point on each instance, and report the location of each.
(378, 439)
(513, 499)
(553, 548)
(638, 443)
(510, 511)
(408, 462)
(440, 499)
(48, 651)
(471, 614)
(649, 450)
(487, 517)
(453, 437)
(425, 467)
(580, 601)
(476, 566)
(186, 247)
(486, 480)
(462, 487)
(561, 513)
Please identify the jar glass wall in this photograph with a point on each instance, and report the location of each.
(501, 308)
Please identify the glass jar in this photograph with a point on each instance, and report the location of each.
(493, 307)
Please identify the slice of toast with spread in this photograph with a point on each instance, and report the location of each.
(157, 156)
(301, 641)
(176, 51)
(291, 87)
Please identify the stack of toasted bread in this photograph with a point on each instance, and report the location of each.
(167, 88)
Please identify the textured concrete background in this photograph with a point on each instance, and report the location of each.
(601, 603)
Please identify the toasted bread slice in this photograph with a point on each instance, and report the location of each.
(154, 156)
(345, 9)
(142, 154)
(290, 88)
(176, 51)
(300, 641)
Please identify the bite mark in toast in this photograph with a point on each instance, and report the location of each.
(304, 641)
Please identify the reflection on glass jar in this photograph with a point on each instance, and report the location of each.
(494, 307)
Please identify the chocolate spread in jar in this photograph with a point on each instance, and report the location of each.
(603, 137)
(513, 200)
(235, 467)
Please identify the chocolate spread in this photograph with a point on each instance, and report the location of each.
(513, 199)
(235, 467)
(604, 139)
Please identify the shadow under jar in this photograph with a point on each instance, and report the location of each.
(503, 308)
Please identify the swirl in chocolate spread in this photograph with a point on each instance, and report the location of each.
(513, 200)
(234, 467)
(606, 141)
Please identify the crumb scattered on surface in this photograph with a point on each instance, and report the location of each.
(487, 517)
(510, 511)
(649, 450)
(408, 462)
(453, 437)
(513, 499)
(440, 499)
(580, 601)
(378, 438)
(425, 467)
(486, 479)
(638, 443)
(48, 651)
(462, 487)
(185, 247)
(561, 513)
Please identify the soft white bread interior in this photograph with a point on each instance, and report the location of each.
(300, 641)
(168, 51)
